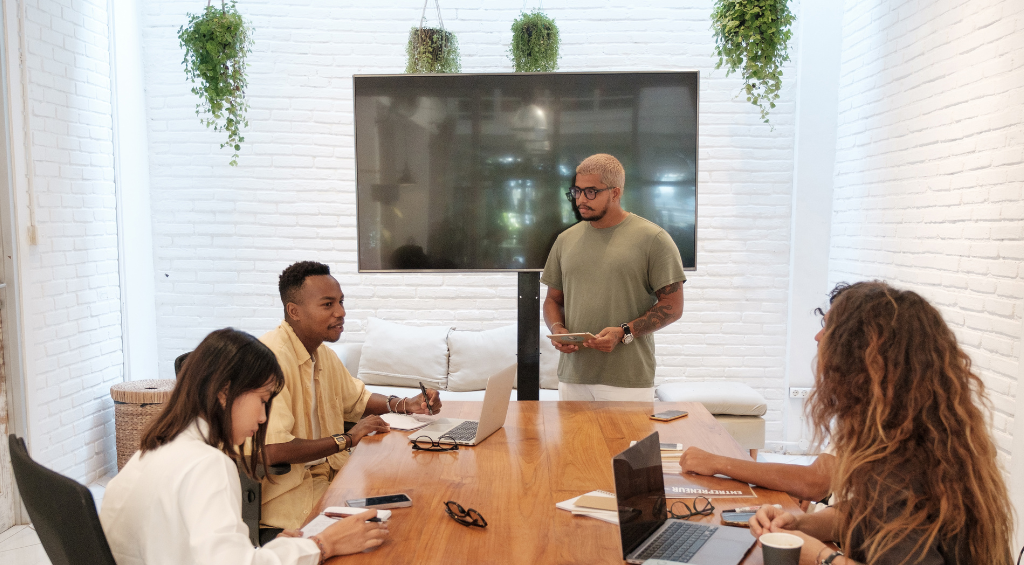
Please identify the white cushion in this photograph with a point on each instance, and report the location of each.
(399, 355)
(719, 397)
(474, 356)
(349, 354)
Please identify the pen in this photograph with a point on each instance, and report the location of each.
(336, 515)
(426, 399)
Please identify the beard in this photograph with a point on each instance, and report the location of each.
(595, 217)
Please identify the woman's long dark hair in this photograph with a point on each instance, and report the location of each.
(226, 360)
(906, 415)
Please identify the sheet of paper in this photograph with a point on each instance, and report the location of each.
(610, 516)
(403, 422)
(321, 522)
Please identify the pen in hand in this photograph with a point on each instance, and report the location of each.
(426, 399)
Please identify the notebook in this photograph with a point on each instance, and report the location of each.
(644, 526)
(492, 416)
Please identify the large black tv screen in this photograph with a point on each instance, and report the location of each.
(468, 172)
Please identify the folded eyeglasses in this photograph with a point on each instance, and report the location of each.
(424, 443)
(466, 517)
(701, 507)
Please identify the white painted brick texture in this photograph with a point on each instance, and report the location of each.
(222, 235)
(930, 170)
(71, 288)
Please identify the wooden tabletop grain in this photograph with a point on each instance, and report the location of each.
(547, 452)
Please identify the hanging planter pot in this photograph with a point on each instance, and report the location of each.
(534, 47)
(753, 37)
(216, 44)
(432, 49)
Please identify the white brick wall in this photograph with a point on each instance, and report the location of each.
(930, 170)
(223, 235)
(70, 279)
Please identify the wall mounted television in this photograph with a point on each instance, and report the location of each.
(468, 172)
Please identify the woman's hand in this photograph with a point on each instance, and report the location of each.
(772, 519)
(353, 534)
(290, 534)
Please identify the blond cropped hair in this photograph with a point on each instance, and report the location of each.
(610, 169)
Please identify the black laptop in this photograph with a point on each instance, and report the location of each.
(646, 530)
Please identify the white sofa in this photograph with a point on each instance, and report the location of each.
(395, 358)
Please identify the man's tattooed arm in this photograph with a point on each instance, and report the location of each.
(666, 310)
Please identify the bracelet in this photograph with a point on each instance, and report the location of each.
(390, 398)
(828, 560)
(320, 545)
(405, 406)
(349, 442)
(558, 324)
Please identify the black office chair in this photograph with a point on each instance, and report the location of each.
(62, 511)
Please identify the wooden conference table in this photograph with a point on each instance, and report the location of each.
(547, 452)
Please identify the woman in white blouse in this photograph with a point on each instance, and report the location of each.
(178, 500)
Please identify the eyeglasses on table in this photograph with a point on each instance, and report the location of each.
(701, 507)
(466, 517)
(424, 443)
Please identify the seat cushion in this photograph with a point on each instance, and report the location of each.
(399, 355)
(719, 397)
(474, 356)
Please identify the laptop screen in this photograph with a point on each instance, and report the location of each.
(640, 490)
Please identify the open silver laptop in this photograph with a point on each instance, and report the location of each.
(646, 530)
(492, 416)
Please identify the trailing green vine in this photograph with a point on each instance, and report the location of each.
(535, 43)
(753, 36)
(432, 50)
(216, 44)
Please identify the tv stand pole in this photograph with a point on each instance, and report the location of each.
(528, 352)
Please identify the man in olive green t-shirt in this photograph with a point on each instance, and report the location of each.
(617, 276)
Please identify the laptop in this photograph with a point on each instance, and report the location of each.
(492, 416)
(646, 530)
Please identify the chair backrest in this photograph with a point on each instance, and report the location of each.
(62, 511)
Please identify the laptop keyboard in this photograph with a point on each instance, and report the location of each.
(678, 542)
(466, 431)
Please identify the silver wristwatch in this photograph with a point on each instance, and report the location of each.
(627, 336)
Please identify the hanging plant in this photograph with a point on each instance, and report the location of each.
(752, 36)
(534, 47)
(216, 43)
(432, 50)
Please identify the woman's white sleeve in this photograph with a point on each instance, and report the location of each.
(210, 501)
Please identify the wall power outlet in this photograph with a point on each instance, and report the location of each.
(799, 392)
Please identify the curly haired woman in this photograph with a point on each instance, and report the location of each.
(915, 478)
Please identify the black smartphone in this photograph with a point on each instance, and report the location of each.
(668, 415)
(741, 519)
(382, 502)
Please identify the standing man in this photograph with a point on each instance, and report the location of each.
(306, 426)
(615, 275)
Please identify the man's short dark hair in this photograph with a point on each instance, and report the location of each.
(292, 278)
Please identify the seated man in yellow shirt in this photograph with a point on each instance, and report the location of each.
(306, 425)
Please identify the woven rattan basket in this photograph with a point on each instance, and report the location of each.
(135, 404)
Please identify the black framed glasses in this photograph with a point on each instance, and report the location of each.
(466, 517)
(701, 507)
(590, 192)
(424, 443)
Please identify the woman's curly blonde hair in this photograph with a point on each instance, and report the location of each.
(897, 397)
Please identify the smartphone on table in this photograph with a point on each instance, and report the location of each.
(387, 501)
(669, 415)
